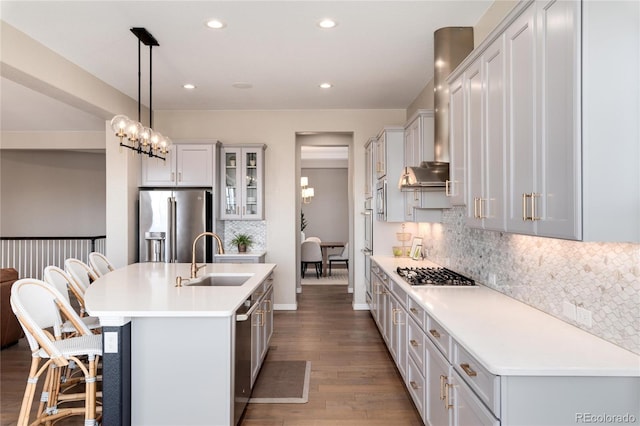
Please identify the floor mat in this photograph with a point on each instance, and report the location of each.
(282, 382)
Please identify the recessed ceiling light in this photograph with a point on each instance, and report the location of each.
(189, 86)
(242, 85)
(216, 24)
(327, 23)
(326, 85)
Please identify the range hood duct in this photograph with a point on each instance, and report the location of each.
(451, 46)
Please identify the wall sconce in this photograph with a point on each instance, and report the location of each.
(307, 193)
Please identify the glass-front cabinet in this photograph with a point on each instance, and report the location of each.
(242, 182)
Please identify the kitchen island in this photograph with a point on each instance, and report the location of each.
(169, 351)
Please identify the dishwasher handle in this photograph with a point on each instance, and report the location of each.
(245, 316)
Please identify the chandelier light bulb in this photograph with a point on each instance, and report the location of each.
(133, 130)
(145, 136)
(119, 124)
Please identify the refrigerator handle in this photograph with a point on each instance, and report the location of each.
(172, 229)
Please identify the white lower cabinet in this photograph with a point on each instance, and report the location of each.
(451, 387)
(261, 326)
(398, 328)
(467, 408)
(438, 398)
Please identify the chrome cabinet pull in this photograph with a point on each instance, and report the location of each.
(179, 176)
(414, 385)
(443, 380)
(414, 343)
(435, 333)
(467, 369)
(447, 192)
(414, 311)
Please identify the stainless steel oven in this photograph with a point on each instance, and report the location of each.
(381, 200)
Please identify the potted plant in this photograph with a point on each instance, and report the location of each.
(242, 241)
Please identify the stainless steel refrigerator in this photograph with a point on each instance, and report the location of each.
(170, 220)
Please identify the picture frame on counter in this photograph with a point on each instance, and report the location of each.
(416, 248)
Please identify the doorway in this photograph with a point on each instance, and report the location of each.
(325, 160)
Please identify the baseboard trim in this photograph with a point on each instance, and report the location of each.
(360, 307)
(285, 306)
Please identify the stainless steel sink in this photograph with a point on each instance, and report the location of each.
(220, 280)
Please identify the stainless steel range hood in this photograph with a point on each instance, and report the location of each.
(451, 46)
(431, 175)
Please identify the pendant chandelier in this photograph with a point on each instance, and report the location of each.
(133, 135)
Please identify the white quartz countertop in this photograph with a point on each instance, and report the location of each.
(148, 290)
(509, 337)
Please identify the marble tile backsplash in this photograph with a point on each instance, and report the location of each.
(257, 229)
(544, 272)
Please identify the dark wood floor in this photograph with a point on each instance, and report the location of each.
(353, 379)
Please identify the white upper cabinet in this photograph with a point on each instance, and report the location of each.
(484, 88)
(543, 143)
(242, 182)
(456, 185)
(188, 165)
(570, 147)
(368, 168)
(418, 137)
(390, 201)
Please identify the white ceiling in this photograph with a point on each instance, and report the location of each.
(379, 56)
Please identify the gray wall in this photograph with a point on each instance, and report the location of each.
(52, 193)
(327, 214)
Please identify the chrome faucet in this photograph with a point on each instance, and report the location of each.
(194, 267)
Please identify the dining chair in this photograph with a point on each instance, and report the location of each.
(316, 239)
(311, 254)
(40, 307)
(100, 264)
(342, 257)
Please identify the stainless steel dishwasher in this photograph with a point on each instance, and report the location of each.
(242, 382)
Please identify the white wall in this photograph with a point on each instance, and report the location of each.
(52, 193)
(327, 214)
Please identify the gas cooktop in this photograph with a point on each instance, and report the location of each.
(434, 276)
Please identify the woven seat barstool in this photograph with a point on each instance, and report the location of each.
(100, 264)
(39, 306)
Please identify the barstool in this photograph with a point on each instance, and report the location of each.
(39, 306)
(100, 264)
(82, 276)
(63, 283)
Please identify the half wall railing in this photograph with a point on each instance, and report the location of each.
(30, 255)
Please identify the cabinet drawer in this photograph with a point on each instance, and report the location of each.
(416, 312)
(439, 336)
(416, 386)
(398, 292)
(415, 337)
(484, 384)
